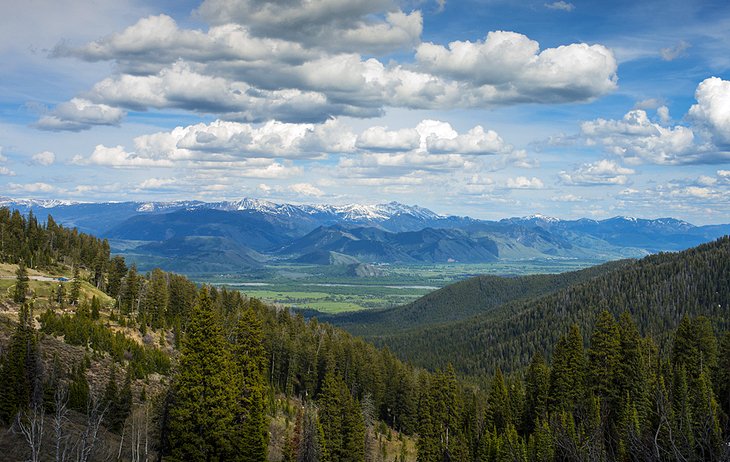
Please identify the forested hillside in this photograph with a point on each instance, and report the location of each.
(158, 367)
(460, 300)
(657, 291)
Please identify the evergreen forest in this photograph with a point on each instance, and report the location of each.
(98, 361)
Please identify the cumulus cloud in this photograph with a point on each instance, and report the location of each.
(560, 5)
(44, 158)
(31, 187)
(522, 182)
(306, 189)
(712, 110)
(335, 25)
(601, 172)
(509, 67)
(381, 139)
(157, 183)
(116, 156)
(6, 171)
(80, 114)
(248, 67)
(636, 138)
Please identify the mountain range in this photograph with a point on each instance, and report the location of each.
(235, 236)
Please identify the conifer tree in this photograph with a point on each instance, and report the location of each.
(335, 409)
(201, 420)
(498, 411)
(21, 283)
(75, 293)
(537, 388)
(723, 374)
(78, 388)
(249, 357)
(632, 375)
(603, 358)
(705, 419)
(541, 447)
(427, 444)
(95, 308)
(567, 376)
(21, 370)
(117, 271)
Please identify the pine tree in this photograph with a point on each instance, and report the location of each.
(603, 359)
(705, 419)
(157, 298)
(201, 420)
(75, 287)
(330, 415)
(695, 345)
(427, 444)
(21, 370)
(78, 388)
(250, 357)
(95, 308)
(117, 271)
(21, 283)
(632, 383)
(537, 388)
(541, 447)
(498, 411)
(723, 374)
(567, 376)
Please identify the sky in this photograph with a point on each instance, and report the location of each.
(484, 108)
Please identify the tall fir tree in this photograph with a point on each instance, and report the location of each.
(202, 417)
(537, 389)
(21, 283)
(250, 357)
(75, 293)
(498, 409)
(568, 373)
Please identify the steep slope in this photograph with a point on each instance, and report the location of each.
(371, 244)
(245, 227)
(462, 300)
(657, 290)
(197, 254)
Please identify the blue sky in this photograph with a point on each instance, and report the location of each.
(480, 108)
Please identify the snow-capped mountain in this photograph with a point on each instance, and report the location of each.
(388, 232)
(35, 203)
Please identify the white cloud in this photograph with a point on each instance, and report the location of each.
(118, 157)
(248, 67)
(712, 110)
(509, 67)
(80, 114)
(475, 141)
(381, 139)
(636, 138)
(6, 171)
(31, 187)
(560, 5)
(677, 51)
(522, 182)
(602, 172)
(567, 198)
(157, 183)
(335, 25)
(306, 189)
(44, 158)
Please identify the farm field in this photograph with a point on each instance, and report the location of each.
(329, 290)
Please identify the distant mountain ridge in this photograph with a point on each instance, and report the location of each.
(333, 234)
